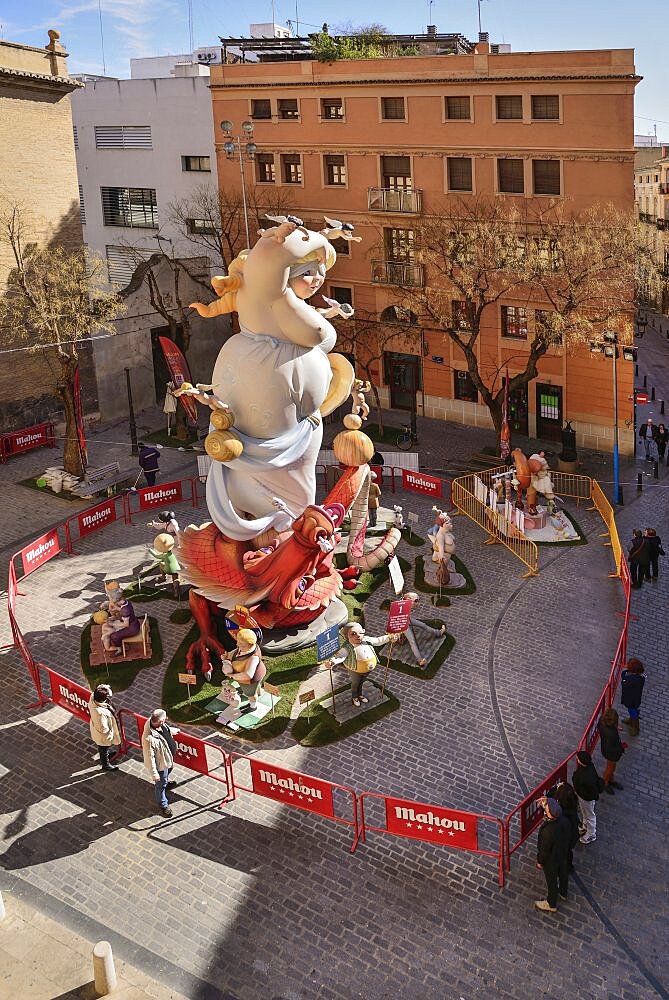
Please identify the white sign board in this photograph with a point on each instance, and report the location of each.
(396, 575)
(412, 518)
(480, 489)
(492, 500)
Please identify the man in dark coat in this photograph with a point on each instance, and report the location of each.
(587, 784)
(553, 855)
(638, 556)
(648, 432)
(148, 461)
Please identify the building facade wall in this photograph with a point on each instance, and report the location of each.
(592, 139)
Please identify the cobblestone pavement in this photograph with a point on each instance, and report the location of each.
(262, 900)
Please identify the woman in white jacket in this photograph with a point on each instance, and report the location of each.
(104, 727)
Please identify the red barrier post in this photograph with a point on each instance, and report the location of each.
(451, 828)
(293, 788)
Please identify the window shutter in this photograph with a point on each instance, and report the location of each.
(82, 207)
(122, 136)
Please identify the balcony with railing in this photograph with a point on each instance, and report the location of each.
(664, 188)
(405, 200)
(393, 272)
(645, 217)
(662, 223)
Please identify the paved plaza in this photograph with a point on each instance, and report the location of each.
(259, 900)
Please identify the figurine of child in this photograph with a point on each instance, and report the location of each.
(167, 522)
(245, 665)
(161, 551)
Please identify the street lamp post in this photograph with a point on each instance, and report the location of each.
(608, 346)
(242, 145)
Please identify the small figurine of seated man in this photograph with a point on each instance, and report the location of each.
(122, 624)
(246, 667)
(358, 657)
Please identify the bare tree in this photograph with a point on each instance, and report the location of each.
(53, 297)
(578, 270)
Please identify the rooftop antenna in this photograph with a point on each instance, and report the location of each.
(102, 39)
(273, 20)
(190, 25)
(297, 21)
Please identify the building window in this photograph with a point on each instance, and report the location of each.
(195, 164)
(75, 133)
(335, 169)
(509, 108)
(332, 109)
(400, 245)
(121, 263)
(546, 175)
(514, 322)
(133, 207)
(122, 136)
(464, 388)
(82, 207)
(292, 168)
(201, 227)
(261, 109)
(342, 295)
(288, 110)
(546, 107)
(459, 173)
(265, 169)
(458, 109)
(396, 172)
(392, 109)
(342, 246)
(460, 315)
(510, 176)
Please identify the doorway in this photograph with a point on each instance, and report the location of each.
(549, 412)
(402, 373)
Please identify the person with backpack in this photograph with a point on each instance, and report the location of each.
(612, 748)
(638, 556)
(587, 784)
(632, 681)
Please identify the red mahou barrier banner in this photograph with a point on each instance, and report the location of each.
(191, 751)
(421, 821)
(292, 788)
(531, 813)
(419, 482)
(40, 551)
(159, 496)
(70, 695)
(14, 442)
(96, 517)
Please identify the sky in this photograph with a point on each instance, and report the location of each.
(157, 27)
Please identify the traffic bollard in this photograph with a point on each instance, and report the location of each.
(645, 381)
(656, 470)
(636, 371)
(662, 407)
(621, 499)
(104, 972)
(639, 482)
(652, 393)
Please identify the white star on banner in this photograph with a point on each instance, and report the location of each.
(450, 833)
(419, 826)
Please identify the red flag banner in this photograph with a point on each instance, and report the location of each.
(79, 419)
(179, 372)
(505, 432)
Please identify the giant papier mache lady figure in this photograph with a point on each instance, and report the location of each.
(270, 546)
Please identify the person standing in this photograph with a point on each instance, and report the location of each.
(632, 681)
(638, 556)
(566, 797)
(104, 726)
(648, 433)
(373, 501)
(586, 783)
(655, 550)
(612, 748)
(149, 461)
(553, 854)
(159, 749)
(662, 439)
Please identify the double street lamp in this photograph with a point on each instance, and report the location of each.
(608, 346)
(244, 148)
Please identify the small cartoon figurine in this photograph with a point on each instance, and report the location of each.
(443, 544)
(399, 518)
(167, 522)
(246, 666)
(161, 551)
(419, 626)
(336, 230)
(358, 657)
(232, 698)
(121, 623)
(360, 407)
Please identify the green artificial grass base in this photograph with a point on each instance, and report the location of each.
(383, 435)
(427, 588)
(119, 674)
(411, 538)
(147, 592)
(581, 540)
(316, 727)
(181, 616)
(170, 440)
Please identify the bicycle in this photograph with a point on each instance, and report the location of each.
(407, 438)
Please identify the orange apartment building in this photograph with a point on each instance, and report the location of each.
(378, 142)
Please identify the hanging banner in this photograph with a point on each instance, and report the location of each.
(96, 517)
(421, 821)
(419, 482)
(40, 551)
(159, 496)
(79, 419)
(291, 788)
(180, 373)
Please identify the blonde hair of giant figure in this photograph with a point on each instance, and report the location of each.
(292, 314)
